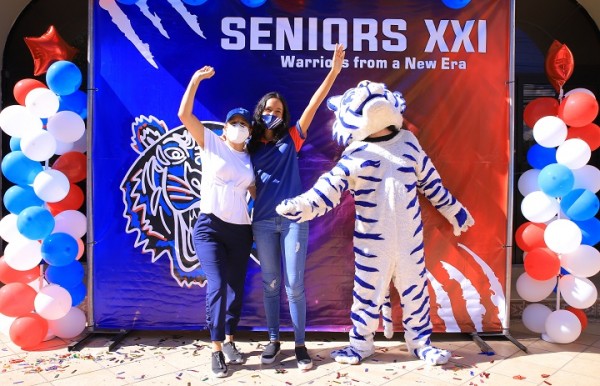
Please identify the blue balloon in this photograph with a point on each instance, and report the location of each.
(556, 180)
(540, 157)
(590, 230)
(194, 2)
(456, 4)
(77, 292)
(35, 223)
(253, 3)
(580, 204)
(76, 102)
(19, 197)
(15, 144)
(59, 249)
(127, 2)
(67, 276)
(19, 169)
(63, 77)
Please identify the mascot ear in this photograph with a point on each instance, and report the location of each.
(333, 103)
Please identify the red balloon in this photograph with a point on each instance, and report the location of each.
(73, 164)
(580, 315)
(28, 331)
(23, 87)
(47, 49)
(538, 108)
(10, 275)
(530, 235)
(588, 133)
(578, 109)
(559, 64)
(542, 264)
(16, 299)
(73, 201)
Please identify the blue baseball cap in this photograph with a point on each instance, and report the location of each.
(241, 112)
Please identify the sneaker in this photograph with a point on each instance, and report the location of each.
(270, 352)
(303, 359)
(232, 354)
(218, 366)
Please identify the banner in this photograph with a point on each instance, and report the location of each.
(451, 61)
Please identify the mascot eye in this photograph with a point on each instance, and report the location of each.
(175, 154)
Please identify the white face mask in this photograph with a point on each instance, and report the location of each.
(237, 133)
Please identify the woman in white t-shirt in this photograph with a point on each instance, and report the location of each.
(222, 234)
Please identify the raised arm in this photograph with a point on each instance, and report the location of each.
(185, 113)
(319, 95)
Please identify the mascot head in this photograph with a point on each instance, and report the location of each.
(364, 110)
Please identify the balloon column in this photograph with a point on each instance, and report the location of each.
(561, 205)
(40, 269)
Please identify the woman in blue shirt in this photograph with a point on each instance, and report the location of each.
(274, 147)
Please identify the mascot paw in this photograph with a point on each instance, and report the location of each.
(462, 221)
(350, 355)
(288, 209)
(432, 355)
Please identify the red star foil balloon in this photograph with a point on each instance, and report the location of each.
(47, 49)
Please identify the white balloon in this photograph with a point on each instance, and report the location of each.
(528, 182)
(66, 126)
(80, 146)
(578, 292)
(563, 326)
(69, 326)
(550, 131)
(5, 323)
(534, 317)
(52, 302)
(23, 254)
(38, 145)
(563, 236)
(574, 153)
(579, 89)
(532, 290)
(583, 261)
(8, 228)
(587, 177)
(539, 207)
(42, 102)
(71, 222)
(17, 120)
(51, 185)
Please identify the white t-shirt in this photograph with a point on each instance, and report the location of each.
(226, 176)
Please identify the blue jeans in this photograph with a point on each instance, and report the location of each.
(224, 251)
(281, 240)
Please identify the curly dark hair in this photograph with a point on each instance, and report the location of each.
(259, 127)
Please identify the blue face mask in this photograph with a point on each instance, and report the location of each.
(271, 121)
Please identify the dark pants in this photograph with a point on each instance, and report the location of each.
(224, 251)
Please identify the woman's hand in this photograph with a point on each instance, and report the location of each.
(338, 58)
(205, 72)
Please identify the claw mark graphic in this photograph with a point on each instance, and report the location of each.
(120, 19)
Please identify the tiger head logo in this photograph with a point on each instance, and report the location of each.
(161, 194)
(364, 110)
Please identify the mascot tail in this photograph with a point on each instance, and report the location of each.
(386, 315)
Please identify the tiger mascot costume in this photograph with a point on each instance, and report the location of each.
(384, 175)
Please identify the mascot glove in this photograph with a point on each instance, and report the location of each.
(461, 221)
(291, 208)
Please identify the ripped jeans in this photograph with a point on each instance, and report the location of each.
(280, 241)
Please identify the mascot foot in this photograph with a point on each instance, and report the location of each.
(350, 355)
(432, 355)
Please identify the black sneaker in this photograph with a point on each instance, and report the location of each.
(270, 352)
(303, 359)
(232, 354)
(218, 366)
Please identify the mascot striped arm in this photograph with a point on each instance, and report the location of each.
(384, 175)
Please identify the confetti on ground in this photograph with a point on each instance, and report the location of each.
(519, 377)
